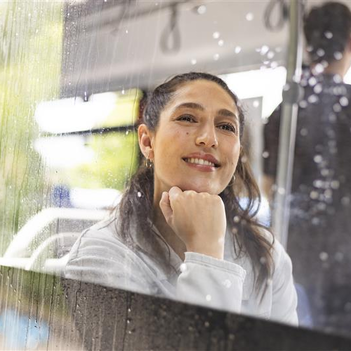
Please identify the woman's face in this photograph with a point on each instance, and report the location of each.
(196, 145)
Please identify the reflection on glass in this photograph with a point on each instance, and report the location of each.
(319, 234)
(70, 80)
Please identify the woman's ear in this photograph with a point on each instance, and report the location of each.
(145, 138)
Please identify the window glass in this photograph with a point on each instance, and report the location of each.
(76, 81)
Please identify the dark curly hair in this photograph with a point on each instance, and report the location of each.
(136, 207)
(327, 30)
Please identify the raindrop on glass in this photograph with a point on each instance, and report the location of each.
(227, 283)
(270, 55)
(337, 55)
(320, 52)
(323, 256)
(328, 34)
(183, 267)
(201, 9)
(216, 35)
(249, 16)
(139, 194)
(345, 200)
(312, 81)
(337, 108)
(304, 132)
(256, 104)
(193, 61)
(265, 154)
(208, 297)
(318, 88)
(220, 42)
(317, 158)
(237, 49)
(303, 104)
(264, 49)
(216, 57)
(344, 101)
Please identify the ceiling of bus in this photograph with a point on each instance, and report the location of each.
(114, 45)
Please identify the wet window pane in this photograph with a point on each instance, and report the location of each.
(77, 79)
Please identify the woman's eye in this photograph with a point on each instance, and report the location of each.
(229, 127)
(187, 118)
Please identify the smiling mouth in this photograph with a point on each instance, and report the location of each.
(200, 161)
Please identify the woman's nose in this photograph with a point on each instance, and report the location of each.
(207, 137)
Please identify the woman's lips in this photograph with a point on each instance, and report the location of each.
(200, 164)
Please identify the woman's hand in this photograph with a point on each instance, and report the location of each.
(197, 218)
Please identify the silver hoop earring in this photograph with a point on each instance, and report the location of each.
(149, 163)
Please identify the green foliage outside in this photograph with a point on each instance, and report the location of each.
(30, 63)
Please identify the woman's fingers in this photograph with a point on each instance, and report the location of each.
(166, 208)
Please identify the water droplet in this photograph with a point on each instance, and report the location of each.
(270, 55)
(193, 61)
(183, 267)
(312, 99)
(304, 132)
(237, 49)
(263, 260)
(227, 283)
(323, 256)
(231, 336)
(318, 158)
(201, 9)
(127, 31)
(319, 68)
(208, 297)
(264, 49)
(337, 107)
(281, 191)
(236, 219)
(303, 104)
(318, 88)
(337, 55)
(139, 194)
(320, 52)
(344, 101)
(220, 42)
(216, 35)
(207, 324)
(328, 34)
(312, 81)
(315, 221)
(337, 79)
(249, 16)
(345, 200)
(216, 57)
(335, 184)
(256, 104)
(265, 154)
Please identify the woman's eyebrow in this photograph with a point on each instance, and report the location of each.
(226, 113)
(192, 105)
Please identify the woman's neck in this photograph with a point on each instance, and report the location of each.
(168, 234)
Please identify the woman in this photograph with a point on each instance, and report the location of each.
(179, 231)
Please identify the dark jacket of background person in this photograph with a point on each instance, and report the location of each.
(319, 241)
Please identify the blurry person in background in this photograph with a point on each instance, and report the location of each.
(179, 230)
(319, 240)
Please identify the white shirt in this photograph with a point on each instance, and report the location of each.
(100, 257)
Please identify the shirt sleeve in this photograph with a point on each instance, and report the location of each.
(271, 143)
(210, 282)
(100, 260)
(284, 299)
